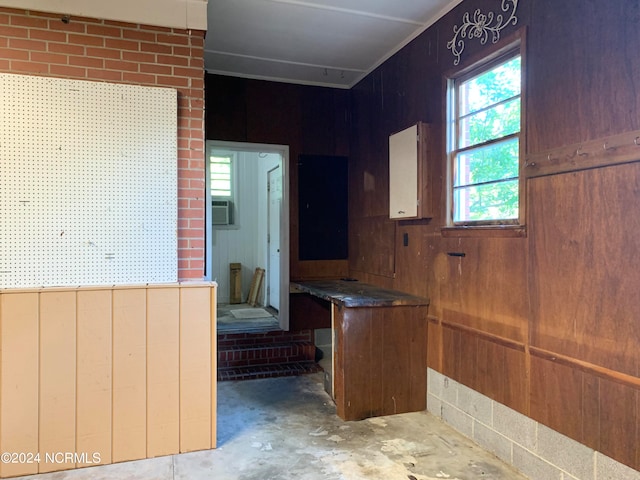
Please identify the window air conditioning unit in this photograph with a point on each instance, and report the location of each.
(221, 212)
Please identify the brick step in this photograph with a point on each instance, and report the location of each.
(267, 371)
(244, 356)
(265, 354)
(230, 340)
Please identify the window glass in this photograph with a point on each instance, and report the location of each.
(221, 176)
(485, 141)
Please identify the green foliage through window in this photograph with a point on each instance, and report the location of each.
(486, 144)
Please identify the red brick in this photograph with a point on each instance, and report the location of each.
(46, 57)
(65, 48)
(188, 213)
(72, 27)
(157, 29)
(4, 42)
(139, 57)
(196, 62)
(109, 75)
(172, 81)
(14, 54)
(85, 40)
(156, 69)
(103, 53)
(139, 35)
(184, 274)
(186, 72)
(14, 32)
(103, 31)
(142, 78)
(154, 48)
(122, 44)
(30, 67)
(67, 71)
(181, 51)
(118, 24)
(87, 62)
(172, 39)
(120, 65)
(29, 21)
(24, 44)
(4, 65)
(12, 10)
(48, 35)
(171, 60)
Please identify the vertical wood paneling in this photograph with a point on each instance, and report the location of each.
(57, 419)
(619, 422)
(556, 397)
(19, 379)
(163, 378)
(129, 374)
(195, 369)
(213, 347)
(94, 374)
(585, 294)
(97, 371)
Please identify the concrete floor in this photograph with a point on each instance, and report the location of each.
(286, 428)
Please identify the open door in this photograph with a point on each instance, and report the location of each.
(258, 209)
(274, 200)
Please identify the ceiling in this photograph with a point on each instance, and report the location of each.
(332, 43)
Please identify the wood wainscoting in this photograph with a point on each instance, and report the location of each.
(106, 374)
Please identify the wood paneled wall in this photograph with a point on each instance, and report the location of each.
(310, 120)
(543, 320)
(112, 374)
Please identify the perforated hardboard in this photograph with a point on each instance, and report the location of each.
(88, 183)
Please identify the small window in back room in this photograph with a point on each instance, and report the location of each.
(484, 139)
(221, 167)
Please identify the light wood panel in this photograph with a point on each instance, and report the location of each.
(163, 371)
(129, 375)
(19, 335)
(94, 373)
(57, 419)
(195, 370)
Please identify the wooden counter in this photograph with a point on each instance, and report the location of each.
(379, 362)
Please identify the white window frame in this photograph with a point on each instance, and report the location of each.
(511, 50)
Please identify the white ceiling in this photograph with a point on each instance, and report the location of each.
(333, 43)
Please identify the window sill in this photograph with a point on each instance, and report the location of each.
(505, 231)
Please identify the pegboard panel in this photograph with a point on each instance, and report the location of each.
(88, 183)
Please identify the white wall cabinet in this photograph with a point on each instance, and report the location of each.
(409, 189)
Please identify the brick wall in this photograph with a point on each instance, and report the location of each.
(35, 43)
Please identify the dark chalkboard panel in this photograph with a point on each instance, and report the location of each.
(323, 211)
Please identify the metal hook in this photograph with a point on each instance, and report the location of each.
(580, 153)
(635, 140)
(607, 147)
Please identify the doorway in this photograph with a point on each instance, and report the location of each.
(247, 211)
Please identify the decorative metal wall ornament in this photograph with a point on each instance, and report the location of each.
(480, 27)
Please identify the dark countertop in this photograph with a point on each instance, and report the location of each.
(357, 294)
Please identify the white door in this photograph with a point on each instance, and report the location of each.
(274, 177)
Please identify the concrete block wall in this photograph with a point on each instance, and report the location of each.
(536, 450)
(46, 44)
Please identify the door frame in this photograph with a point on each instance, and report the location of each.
(283, 151)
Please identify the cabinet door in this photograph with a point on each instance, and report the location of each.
(403, 174)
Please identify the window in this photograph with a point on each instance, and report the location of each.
(484, 139)
(221, 168)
